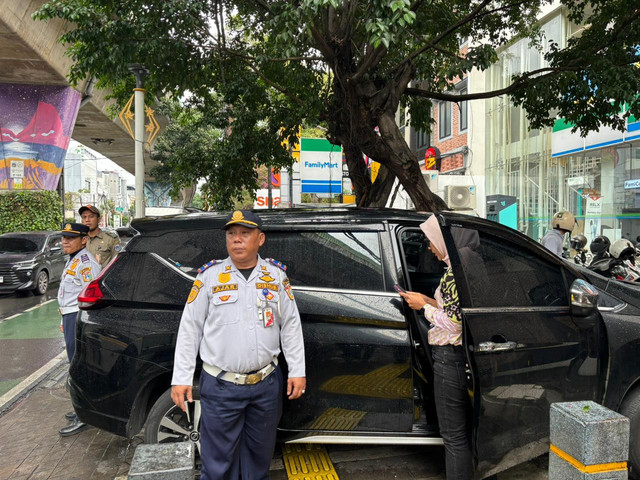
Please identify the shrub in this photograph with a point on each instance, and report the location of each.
(30, 210)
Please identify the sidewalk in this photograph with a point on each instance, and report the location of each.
(32, 449)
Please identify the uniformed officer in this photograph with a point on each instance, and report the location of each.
(103, 244)
(240, 310)
(81, 268)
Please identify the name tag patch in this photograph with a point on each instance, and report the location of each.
(270, 286)
(224, 288)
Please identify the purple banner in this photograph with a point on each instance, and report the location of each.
(36, 122)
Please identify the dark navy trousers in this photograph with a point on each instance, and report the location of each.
(69, 326)
(238, 427)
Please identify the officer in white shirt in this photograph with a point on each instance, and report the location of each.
(239, 311)
(81, 268)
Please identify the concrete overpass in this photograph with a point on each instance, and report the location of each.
(31, 54)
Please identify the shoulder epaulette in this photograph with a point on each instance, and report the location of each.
(84, 258)
(278, 264)
(112, 234)
(207, 265)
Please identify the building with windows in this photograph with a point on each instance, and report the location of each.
(597, 177)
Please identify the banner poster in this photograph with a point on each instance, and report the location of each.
(592, 218)
(36, 122)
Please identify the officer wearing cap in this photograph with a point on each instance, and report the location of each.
(239, 311)
(80, 269)
(103, 244)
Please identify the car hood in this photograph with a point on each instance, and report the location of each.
(11, 258)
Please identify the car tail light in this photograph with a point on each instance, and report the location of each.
(92, 294)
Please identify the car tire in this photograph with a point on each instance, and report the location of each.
(42, 283)
(166, 423)
(630, 408)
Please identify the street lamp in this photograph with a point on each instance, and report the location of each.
(139, 71)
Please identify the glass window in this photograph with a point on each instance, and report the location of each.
(187, 249)
(423, 268)
(345, 260)
(422, 139)
(55, 241)
(162, 284)
(463, 112)
(444, 119)
(500, 273)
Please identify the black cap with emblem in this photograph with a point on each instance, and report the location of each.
(75, 230)
(246, 218)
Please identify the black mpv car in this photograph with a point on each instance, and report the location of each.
(535, 331)
(30, 261)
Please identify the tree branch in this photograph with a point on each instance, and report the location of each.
(273, 84)
(519, 83)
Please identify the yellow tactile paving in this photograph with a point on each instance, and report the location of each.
(308, 462)
(338, 419)
(381, 383)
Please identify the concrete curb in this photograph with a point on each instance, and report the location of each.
(9, 398)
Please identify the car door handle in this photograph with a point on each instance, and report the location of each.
(496, 347)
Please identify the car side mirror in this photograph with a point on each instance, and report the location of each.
(584, 303)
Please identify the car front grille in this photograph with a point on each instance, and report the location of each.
(9, 277)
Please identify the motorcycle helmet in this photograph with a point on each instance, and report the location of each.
(563, 220)
(622, 248)
(578, 242)
(600, 244)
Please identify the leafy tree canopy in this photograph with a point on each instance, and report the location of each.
(256, 66)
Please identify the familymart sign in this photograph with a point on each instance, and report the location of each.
(565, 142)
(320, 166)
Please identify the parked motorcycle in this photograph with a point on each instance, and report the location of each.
(617, 261)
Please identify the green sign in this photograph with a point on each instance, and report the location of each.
(119, 209)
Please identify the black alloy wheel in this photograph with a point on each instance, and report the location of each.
(166, 423)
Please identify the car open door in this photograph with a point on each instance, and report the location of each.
(524, 348)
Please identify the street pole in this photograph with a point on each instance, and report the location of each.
(139, 71)
(269, 188)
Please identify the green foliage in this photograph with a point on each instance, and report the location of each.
(70, 220)
(28, 210)
(252, 67)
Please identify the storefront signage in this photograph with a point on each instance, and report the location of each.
(576, 181)
(629, 184)
(320, 166)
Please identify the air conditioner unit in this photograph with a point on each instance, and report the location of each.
(460, 197)
(431, 178)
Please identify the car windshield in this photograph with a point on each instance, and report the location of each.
(20, 244)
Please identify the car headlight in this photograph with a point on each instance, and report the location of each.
(26, 265)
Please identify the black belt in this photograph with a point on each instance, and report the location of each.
(451, 348)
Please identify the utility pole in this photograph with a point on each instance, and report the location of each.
(139, 71)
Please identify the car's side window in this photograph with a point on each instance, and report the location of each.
(341, 259)
(54, 242)
(424, 269)
(501, 273)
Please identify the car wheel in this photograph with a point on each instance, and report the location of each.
(631, 408)
(42, 283)
(166, 423)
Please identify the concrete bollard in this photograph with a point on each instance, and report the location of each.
(163, 461)
(588, 442)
